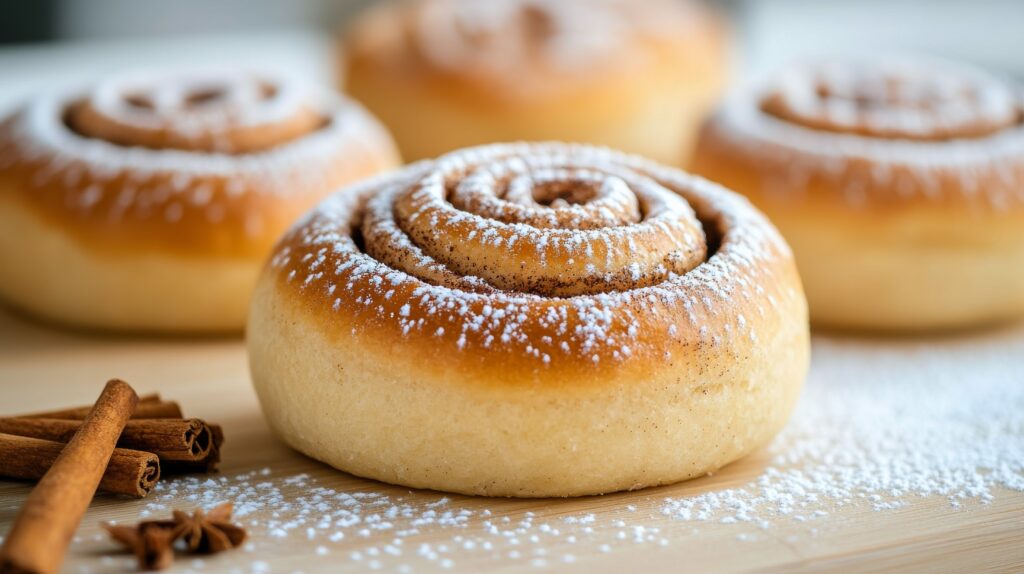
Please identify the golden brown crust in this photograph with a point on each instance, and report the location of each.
(623, 322)
(208, 169)
(119, 197)
(734, 320)
(569, 71)
(409, 415)
(530, 51)
(216, 216)
(885, 198)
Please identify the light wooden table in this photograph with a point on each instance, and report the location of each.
(43, 367)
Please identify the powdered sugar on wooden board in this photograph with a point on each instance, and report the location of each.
(883, 425)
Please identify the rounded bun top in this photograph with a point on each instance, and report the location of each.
(208, 161)
(229, 112)
(521, 48)
(895, 99)
(544, 250)
(881, 131)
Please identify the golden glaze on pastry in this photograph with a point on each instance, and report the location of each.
(445, 74)
(899, 184)
(150, 202)
(569, 321)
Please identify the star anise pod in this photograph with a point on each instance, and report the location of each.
(209, 533)
(152, 541)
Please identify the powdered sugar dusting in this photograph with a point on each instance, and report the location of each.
(457, 33)
(194, 106)
(886, 423)
(883, 426)
(530, 47)
(915, 123)
(895, 99)
(425, 252)
(129, 180)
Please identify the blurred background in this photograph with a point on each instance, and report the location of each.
(52, 41)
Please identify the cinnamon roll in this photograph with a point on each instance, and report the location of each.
(529, 320)
(899, 184)
(446, 74)
(150, 202)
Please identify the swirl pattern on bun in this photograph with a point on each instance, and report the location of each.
(895, 100)
(232, 114)
(515, 317)
(899, 184)
(164, 192)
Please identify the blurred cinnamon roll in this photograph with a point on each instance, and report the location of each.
(899, 184)
(445, 74)
(150, 202)
(530, 320)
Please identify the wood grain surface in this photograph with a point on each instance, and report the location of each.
(42, 367)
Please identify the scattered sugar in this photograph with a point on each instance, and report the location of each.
(886, 423)
(882, 426)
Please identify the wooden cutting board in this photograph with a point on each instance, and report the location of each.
(43, 367)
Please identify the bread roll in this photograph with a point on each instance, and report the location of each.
(150, 202)
(446, 74)
(898, 182)
(530, 320)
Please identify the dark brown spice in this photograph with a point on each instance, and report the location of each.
(129, 472)
(152, 541)
(42, 529)
(170, 439)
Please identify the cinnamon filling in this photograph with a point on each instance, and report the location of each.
(575, 226)
(895, 102)
(233, 116)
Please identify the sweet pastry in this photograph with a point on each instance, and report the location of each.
(446, 74)
(151, 202)
(529, 320)
(899, 184)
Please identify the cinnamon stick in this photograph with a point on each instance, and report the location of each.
(208, 463)
(149, 407)
(170, 439)
(42, 530)
(130, 472)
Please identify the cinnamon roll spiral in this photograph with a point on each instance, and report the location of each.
(150, 201)
(895, 100)
(232, 114)
(445, 74)
(899, 184)
(529, 320)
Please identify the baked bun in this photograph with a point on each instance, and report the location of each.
(530, 320)
(446, 74)
(151, 202)
(899, 184)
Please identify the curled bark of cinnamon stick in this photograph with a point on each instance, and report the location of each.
(149, 407)
(207, 463)
(42, 530)
(130, 472)
(171, 439)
